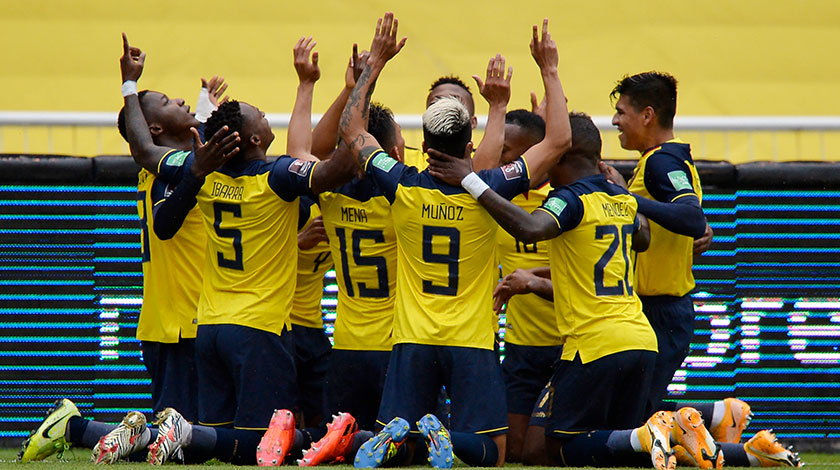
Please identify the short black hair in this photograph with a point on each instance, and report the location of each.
(586, 139)
(451, 80)
(121, 115)
(447, 127)
(531, 122)
(655, 89)
(227, 114)
(381, 126)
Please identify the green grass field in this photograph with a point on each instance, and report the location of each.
(78, 459)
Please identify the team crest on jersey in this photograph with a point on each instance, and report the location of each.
(383, 161)
(555, 205)
(513, 170)
(177, 158)
(301, 167)
(679, 180)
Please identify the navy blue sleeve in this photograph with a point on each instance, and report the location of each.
(684, 216)
(171, 207)
(289, 177)
(508, 180)
(200, 130)
(667, 177)
(565, 207)
(172, 165)
(304, 211)
(386, 172)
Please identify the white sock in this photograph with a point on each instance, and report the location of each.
(635, 442)
(717, 414)
(754, 462)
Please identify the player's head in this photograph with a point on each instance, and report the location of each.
(164, 116)
(646, 102)
(386, 131)
(446, 128)
(523, 130)
(241, 117)
(451, 85)
(585, 152)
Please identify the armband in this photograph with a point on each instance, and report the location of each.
(129, 87)
(474, 185)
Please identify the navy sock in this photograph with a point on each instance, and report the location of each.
(237, 446)
(668, 406)
(140, 454)
(735, 455)
(475, 450)
(202, 445)
(360, 438)
(591, 450)
(85, 433)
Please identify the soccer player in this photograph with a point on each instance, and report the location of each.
(446, 270)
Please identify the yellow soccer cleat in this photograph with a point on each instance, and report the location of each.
(736, 418)
(655, 439)
(699, 449)
(770, 453)
(49, 438)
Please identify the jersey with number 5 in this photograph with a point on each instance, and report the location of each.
(598, 311)
(250, 211)
(446, 253)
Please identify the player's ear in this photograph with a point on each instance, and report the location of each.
(649, 115)
(473, 122)
(395, 154)
(155, 129)
(468, 150)
(255, 140)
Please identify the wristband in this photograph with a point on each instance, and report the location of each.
(203, 107)
(474, 185)
(129, 87)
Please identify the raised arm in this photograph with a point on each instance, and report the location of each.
(353, 125)
(558, 133)
(143, 149)
(325, 134)
(299, 134)
(496, 90)
(209, 97)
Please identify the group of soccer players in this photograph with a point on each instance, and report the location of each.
(596, 281)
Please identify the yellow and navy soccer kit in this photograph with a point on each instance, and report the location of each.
(250, 211)
(357, 218)
(312, 346)
(609, 348)
(532, 340)
(171, 288)
(446, 272)
(664, 279)
(416, 158)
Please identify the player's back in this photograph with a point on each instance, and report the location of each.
(598, 311)
(357, 218)
(313, 263)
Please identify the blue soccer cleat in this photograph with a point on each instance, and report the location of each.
(382, 447)
(437, 440)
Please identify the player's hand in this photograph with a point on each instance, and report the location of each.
(496, 87)
(211, 156)
(538, 107)
(544, 49)
(451, 170)
(131, 62)
(355, 66)
(703, 243)
(385, 45)
(216, 87)
(612, 175)
(513, 284)
(312, 234)
(306, 68)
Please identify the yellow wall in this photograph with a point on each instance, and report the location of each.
(767, 57)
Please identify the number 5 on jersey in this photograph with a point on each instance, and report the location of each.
(219, 208)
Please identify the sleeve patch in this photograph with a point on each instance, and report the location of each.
(383, 161)
(177, 158)
(513, 170)
(555, 205)
(679, 180)
(301, 167)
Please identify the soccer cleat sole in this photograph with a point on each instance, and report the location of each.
(277, 440)
(374, 452)
(437, 440)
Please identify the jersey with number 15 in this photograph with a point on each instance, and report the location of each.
(250, 211)
(446, 252)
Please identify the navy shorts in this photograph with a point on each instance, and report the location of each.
(472, 377)
(526, 370)
(672, 319)
(244, 374)
(174, 378)
(354, 384)
(312, 354)
(609, 393)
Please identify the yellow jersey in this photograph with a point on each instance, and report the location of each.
(598, 311)
(666, 173)
(416, 158)
(172, 269)
(530, 318)
(313, 264)
(446, 253)
(357, 217)
(250, 212)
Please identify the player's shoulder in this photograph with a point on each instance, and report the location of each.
(672, 150)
